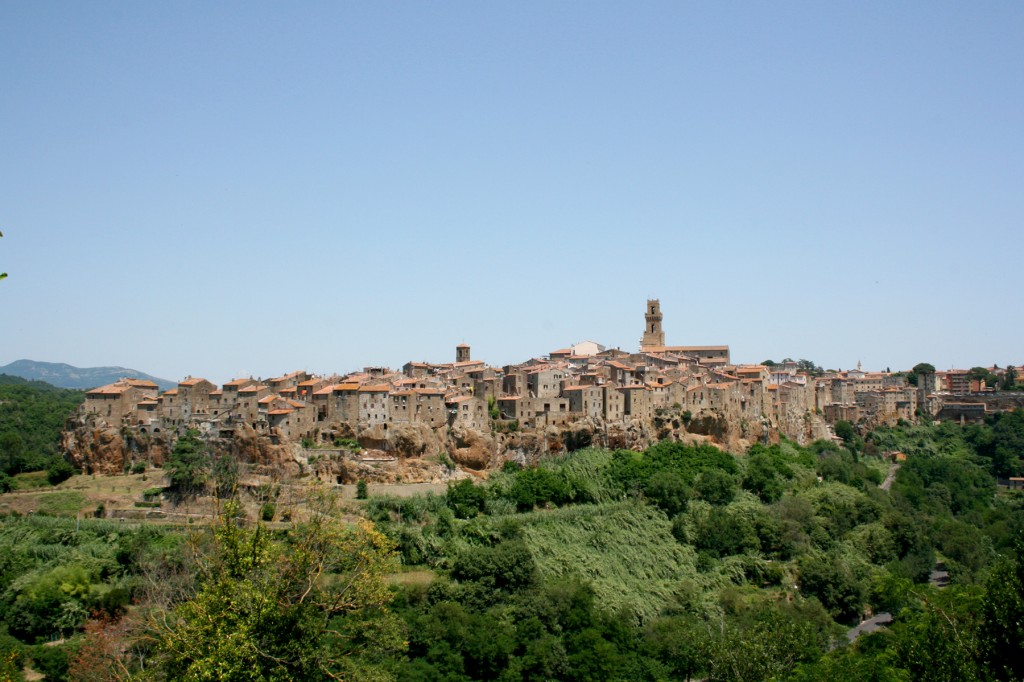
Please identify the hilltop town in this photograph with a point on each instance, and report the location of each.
(467, 415)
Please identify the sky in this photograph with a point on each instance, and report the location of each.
(249, 188)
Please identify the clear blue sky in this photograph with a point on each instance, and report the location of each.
(237, 188)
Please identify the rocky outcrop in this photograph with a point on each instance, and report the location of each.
(415, 452)
(406, 440)
(96, 448)
(472, 449)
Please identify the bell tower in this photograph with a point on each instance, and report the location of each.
(462, 353)
(653, 334)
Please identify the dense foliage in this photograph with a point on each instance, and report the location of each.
(678, 562)
(685, 561)
(32, 417)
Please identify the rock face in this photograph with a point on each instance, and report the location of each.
(100, 449)
(415, 452)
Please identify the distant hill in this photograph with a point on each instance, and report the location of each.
(66, 376)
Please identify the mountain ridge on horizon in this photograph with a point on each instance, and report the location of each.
(63, 375)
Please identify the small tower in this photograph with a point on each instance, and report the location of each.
(653, 334)
(462, 352)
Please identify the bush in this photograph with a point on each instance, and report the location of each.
(59, 471)
(508, 566)
(465, 499)
(668, 491)
(6, 483)
(352, 445)
(444, 460)
(150, 493)
(139, 468)
(832, 581)
(716, 487)
(53, 661)
(361, 490)
(267, 511)
(539, 487)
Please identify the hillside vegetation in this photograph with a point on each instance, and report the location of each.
(32, 417)
(674, 563)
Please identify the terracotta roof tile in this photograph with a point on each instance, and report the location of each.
(109, 389)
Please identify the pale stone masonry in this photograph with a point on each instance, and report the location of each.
(585, 381)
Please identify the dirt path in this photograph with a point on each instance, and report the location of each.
(890, 477)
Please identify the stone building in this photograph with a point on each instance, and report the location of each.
(117, 402)
(374, 405)
(545, 381)
(194, 398)
(247, 408)
(638, 401)
(468, 411)
(587, 401)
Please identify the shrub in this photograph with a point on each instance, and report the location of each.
(465, 499)
(59, 471)
(150, 493)
(538, 487)
(509, 566)
(444, 460)
(139, 468)
(267, 511)
(361, 489)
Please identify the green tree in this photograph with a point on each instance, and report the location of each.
(188, 466)
(919, 369)
(668, 491)
(716, 487)
(808, 366)
(1002, 634)
(465, 499)
(982, 374)
(831, 580)
(59, 471)
(1009, 381)
(12, 450)
(940, 641)
(844, 430)
(306, 607)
